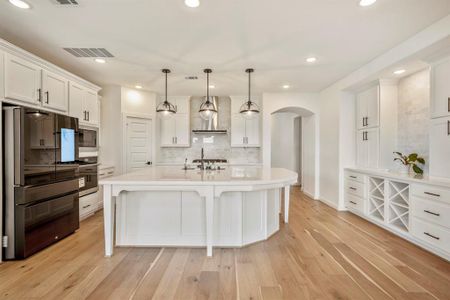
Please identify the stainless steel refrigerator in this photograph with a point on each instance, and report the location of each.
(41, 179)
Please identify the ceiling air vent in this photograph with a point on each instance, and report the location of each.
(89, 52)
(191, 77)
(66, 2)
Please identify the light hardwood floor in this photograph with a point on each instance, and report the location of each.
(321, 254)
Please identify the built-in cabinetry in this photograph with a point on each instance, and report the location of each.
(415, 209)
(175, 131)
(376, 125)
(440, 122)
(30, 81)
(244, 133)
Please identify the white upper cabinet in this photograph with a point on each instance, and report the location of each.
(84, 105)
(22, 80)
(237, 130)
(55, 91)
(368, 148)
(440, 147)
(440, 89)
(2, 75)
(368, 108)
(244, 133)
(176, 131)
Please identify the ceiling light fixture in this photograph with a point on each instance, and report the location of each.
(138, 87)
(249, 109)
(100, 60)
(192, 3)
(207, 109)
(366, 2)
(166, 109)
(311, 59)
(20, 4)
(286, 86)
(398, 72)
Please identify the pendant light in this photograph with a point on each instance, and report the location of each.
(166, 109)
(249, 109)
(208, 109)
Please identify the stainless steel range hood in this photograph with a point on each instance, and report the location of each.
(211, 125)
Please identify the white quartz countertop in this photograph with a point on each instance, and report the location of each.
(437, 181)
(232, 175)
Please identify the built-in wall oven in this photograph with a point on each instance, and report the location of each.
(88, 175)
(88, 139)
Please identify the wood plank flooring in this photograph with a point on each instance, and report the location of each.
(320, 254)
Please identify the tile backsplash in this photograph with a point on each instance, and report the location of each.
(215, 145)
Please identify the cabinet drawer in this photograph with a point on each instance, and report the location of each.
(103, 173)
(354, 188)
(87, 206)
(431, 192)
(354, 202)
(432, 211)
(354, 176)
(432, 234)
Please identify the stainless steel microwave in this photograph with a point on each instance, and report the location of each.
(88, 138)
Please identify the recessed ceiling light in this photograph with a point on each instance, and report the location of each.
(20, 4)
(398, 72)
(367, 2)
(138, 86)
(192, 3)
(212, 86)
(286, 86)
(311, 59)
(100, 60)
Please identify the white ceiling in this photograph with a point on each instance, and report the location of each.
(274, 37)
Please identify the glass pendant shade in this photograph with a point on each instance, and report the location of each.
(207, 109)
(249, 109)
(166, 109)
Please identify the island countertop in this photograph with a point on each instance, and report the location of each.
(176, 175)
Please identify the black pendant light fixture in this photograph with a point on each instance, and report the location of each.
(207, 109)
(166, 109)
(249, 109)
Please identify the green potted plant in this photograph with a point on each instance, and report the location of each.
(412, 160)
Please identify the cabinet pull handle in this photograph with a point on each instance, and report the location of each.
(432, 236)
(47, 98)
(448, 127)
(353, 177)
(432, 213)
(86, 206)
(432, 194)
(88, 115)
(353, 202)
(364, 121)
(448, 104)
(39, 95)
(352, 188)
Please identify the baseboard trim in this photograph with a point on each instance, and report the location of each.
(309, 195)
(329, 203)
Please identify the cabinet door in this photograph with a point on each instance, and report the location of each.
(182, 105)
(2, 74)
(182, 130)
(22, 80)
(361, 149)
(373, 148)
(54, 88)
(90, 104)
(440, 89)
(373, 107)
(252, 132)
(361, 110)
(167, 132)
(76, 95)
(237, 131)
(440, 147)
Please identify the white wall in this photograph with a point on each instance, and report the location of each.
(335, 108)
(310, 177)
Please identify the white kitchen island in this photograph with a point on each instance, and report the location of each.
(169, 206)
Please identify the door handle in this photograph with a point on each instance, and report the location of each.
(47, 100)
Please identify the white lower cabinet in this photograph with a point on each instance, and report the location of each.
(418, 212)
(440, 147)
(88, 205)
(368, 148)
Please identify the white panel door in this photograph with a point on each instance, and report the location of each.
(54, 88)
(252, 132)
(90, 104)
(138, 144)
(440, 147)
(182, 130)
(440, 89)
(167, 132)
(22, 80)
(237, 131)
(76, 96)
